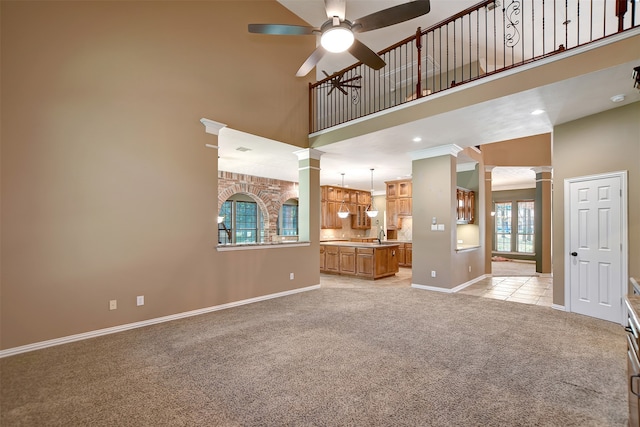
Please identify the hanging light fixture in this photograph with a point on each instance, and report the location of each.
(343, 211)
(371, 212)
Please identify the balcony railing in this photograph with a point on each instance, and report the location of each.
(485, 39)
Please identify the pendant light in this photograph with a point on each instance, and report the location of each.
(371, 212)
(343, 211)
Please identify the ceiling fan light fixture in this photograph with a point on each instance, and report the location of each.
(337, 39)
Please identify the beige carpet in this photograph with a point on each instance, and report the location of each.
(333, 357)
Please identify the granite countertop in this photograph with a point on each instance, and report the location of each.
(361, 244)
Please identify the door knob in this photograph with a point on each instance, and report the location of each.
(574, 253)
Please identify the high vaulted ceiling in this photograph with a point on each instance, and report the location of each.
(387, 151)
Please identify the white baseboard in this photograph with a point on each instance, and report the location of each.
(558, 307)
(92, 334)
(450, 290)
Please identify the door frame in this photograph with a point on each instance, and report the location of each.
(624, 239)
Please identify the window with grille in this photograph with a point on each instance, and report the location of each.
(503, 226)
(514, 227)
(288, 222)
(525, 236)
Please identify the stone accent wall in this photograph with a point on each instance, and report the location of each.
(268, 193)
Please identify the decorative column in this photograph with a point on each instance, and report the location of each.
(490, 219)
(542, 219)
(309, 194)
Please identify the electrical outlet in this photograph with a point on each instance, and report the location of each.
(140, 300)
(469, 269)
(113, 304)
(433, 273)
(291, 276)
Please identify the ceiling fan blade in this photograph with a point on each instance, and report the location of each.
(366, 55)
(391, 16)
(336, 8)
(311, 61)
(282, 29)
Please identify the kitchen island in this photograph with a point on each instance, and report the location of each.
(366, 260)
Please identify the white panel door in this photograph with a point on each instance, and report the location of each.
(595, 249)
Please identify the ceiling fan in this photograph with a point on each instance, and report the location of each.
(337, 33)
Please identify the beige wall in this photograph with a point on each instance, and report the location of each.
(107, 189)
(605, 142)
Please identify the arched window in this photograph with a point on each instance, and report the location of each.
(288, 218)
(242, 221)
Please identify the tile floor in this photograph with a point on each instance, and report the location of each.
(523, 289)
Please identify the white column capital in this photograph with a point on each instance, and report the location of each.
(308, 153)
(442, 150)
(542, 169)
(212, 127)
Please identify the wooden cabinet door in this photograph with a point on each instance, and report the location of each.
(330, 217)
(459, 204)
(403, 206)
(392, 260)
(392, 190)
(401, 254)
(322, 258)
(332, 259)
(347, 260)
(408, 254)
(472, 207)
(392, 215)
(404, 189)
(364, 262)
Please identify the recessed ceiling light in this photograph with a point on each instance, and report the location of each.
(417, 139)
(537, 112)
(617, 98)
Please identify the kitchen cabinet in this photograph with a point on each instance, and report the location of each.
(466, 206)
(347, 260)
(329, 216)
(364, 260)
(332, 259)
(356, 201)
(323, 265)
(405, 254)
(360, 220)
(408, 254)
(399, 202)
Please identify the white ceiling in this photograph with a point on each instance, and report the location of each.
(500, 119)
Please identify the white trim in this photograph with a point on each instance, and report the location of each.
(100, 332)
(466, 167)
(471, 282)
(247, 247)
(309, 168)
(432, 288)
(212, 127)
(558, 307)
(441, 150)
(449, 290)
(211, 146)
(624, 239)
(542, 169)
(308, 153)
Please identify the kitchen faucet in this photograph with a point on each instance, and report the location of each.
(380, 235)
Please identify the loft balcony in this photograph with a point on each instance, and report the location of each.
(484, 40)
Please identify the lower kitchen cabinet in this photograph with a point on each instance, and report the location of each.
(347, 260)
(332, 259)
(365, 260)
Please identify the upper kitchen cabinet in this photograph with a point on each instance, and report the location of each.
(466, 206)
(336, 198)
(399, 202)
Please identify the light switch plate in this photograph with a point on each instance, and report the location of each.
(440, 227)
